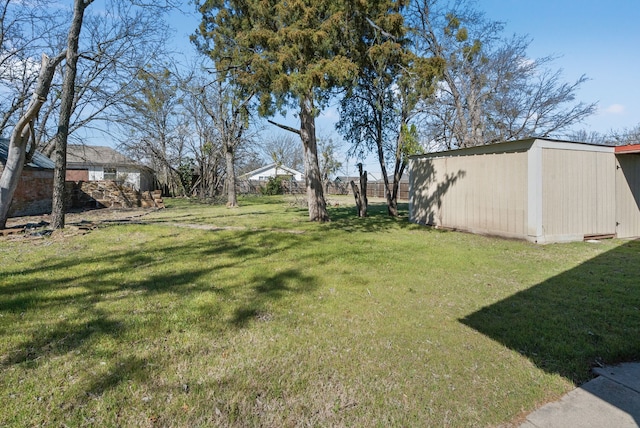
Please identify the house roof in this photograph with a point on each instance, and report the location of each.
(38, 160)
(629, 149)
(80, 154)
(270, 166)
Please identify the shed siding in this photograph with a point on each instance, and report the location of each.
(628, 195)
(578, 189)
(485, 193)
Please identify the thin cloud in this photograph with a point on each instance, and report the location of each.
(615, 109)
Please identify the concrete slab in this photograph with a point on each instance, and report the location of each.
(627, 374)
(600, 403)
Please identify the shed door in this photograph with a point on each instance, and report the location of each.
(628, 195)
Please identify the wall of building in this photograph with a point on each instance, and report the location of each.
(266, 174)
(34, 193)
(579, 197)
(134, 177)
(538, 189)
(481, 193)
(628, 195)
(77, 175)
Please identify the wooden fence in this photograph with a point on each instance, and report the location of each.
(375, 189)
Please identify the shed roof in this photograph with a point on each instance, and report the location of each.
(38, 160)
(519, 146)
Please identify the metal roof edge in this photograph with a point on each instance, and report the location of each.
(628, 149)
(516, 146)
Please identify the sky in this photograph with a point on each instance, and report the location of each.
(596, 38)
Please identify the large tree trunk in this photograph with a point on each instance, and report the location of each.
(361, 193)
(392, 205)
(398, 170)
(315, 193)
(66, 108)
(232, 200)
(20, 136)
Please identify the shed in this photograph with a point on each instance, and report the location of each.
(97, 163)
(537, 189)
(34, 193)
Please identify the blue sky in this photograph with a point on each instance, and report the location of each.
(598, 38)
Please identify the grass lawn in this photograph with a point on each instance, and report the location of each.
(202, 316)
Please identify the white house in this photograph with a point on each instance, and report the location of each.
(96, 163)
(270, 171)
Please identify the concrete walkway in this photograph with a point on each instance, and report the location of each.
(610, 400)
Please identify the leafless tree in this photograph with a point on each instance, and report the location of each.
(491, 91)
(22, 135)
(27, 30)
(115, 45)
(152, 124)
(204, 146)
(96, 71)
(626, 136)
(283, 149)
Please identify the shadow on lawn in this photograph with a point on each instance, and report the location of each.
(94, 287)
(581, 318)
(346, 218)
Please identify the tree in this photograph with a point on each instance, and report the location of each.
(153, 122)
(626, 136)
(594, 137)
(66, 108)
(375, 113)
(115, 45)
(27, 30)
(329, 163)
(284, 150)
(490, 90)
(119, 35)
(22, 134)
(291, 54)
(230, 117)
(204, 144)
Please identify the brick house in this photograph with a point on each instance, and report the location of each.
(34, 193)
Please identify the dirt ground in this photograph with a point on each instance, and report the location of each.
(75, 222)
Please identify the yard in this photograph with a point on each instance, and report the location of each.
(199, 315)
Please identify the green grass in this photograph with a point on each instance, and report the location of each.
(204, 315)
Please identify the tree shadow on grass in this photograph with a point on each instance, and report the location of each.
(123, 369)
(346, 218)
(86, 285)
(268, 288)
(62, 338)
(585, 317)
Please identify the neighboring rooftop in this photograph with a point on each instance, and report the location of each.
(95, 155)
(266, 168)
(38, 160)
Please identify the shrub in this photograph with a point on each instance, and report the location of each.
(274, 186)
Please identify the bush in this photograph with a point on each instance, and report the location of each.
(274, 186)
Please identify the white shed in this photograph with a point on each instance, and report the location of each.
(538, 189)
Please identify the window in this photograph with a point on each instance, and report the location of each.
(109, 173)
